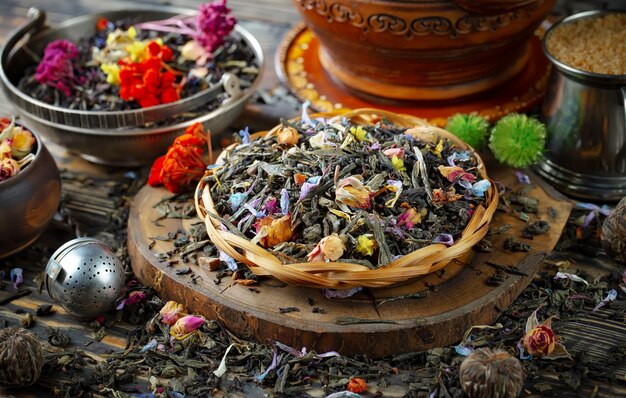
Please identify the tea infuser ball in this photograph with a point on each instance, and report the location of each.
(85, 277)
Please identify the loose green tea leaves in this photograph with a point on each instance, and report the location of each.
(332, 190)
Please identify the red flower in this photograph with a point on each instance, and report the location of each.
(182, 165)
(150, 82)
(102, 24)
(357, 385)
(154, 179)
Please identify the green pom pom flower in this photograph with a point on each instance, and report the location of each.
(472, 129)
(518, 140)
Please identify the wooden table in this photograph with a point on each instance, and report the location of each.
(268, 20)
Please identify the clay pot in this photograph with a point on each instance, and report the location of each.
(412, 50)
(29, 201)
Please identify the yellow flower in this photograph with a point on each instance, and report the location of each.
(22, 144)
(112, 71)
(438, 149)
(359, 133)
(132, 32)
(366, 245)
(136, 50)
(329, 248)
(273, 231)
(398, 163)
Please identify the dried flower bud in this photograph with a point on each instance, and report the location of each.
(356, 385)
(539, 341)
(185, 326)
(487, 373)
(330, 248)
(8, 168)
(21, 357)
(172, 312)
(614, 232)
(288, 136)
(273, 231)
(351, 191)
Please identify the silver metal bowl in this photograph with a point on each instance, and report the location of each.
(116, 147)
(28, 201)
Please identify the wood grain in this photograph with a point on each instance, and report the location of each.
(400, 326)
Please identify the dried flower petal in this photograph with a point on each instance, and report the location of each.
(575, 278)
(409, 218)
(397, 152)
(359, 133)
(56, 68)
(351, 191)
(398, 164)
(356, 385)
(453, 173)
(185, 326)
(366, 245)
(610, 296)
(172, 312)
(17, 277)
(446, 239)
(214, 23)
(311, 184)
(477, 189)
(284, 201)
(8, 168)
(330, 248)
(274, 230)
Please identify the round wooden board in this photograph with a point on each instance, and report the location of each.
(357, 325)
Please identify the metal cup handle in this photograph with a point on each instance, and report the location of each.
(36, 22)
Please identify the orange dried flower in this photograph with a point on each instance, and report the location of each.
(183, 164)
(273, 231)
(356, 385)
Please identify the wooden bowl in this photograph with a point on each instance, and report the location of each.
(423, 50)
(29, 201)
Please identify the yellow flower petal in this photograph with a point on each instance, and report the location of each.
(365, 245)
(398, 163)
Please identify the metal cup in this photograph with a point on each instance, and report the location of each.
(585, 115)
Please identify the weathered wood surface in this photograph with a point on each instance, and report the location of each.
(454, 303)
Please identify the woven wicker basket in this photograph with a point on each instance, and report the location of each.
(344, 275)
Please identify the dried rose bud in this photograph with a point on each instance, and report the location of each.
(539, 341)
(23, 142)
(288, 136)
(487, 373)
(613, 233)
(185, 326)
(172, 312)
(8, 168)
(329, 248)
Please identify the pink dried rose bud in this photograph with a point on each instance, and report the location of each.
(185, 326)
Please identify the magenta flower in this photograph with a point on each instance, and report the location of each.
(56, 67)
(214, 24)
(132, 299)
